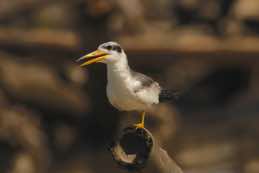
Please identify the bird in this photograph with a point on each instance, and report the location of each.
(126, 90)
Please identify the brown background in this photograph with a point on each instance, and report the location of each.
(55, 116)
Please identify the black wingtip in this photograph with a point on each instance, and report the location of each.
(168, 95)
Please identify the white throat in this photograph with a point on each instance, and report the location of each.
(118, 70)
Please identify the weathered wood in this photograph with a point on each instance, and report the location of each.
(192, 45)
(39, 39)
(69, 42)
(137, 149)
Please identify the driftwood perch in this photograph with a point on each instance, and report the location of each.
(137, 149)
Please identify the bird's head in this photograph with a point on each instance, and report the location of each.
(108, 52)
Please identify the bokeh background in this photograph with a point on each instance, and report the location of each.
(55, 117)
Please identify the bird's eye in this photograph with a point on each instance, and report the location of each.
(109, 47)
(117, 48)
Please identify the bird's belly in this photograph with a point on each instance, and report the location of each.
(123, 99)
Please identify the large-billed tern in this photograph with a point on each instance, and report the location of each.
(126, 89)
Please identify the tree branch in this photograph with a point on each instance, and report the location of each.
(137, 147)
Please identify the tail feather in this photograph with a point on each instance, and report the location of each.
(168, 95)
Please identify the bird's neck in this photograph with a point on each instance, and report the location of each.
(119, 70)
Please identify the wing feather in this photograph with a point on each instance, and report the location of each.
(146, 89)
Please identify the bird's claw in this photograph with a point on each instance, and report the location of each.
(139, 125)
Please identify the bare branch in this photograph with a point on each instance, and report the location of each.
(137, 149)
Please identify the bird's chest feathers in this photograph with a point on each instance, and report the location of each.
(119, 89)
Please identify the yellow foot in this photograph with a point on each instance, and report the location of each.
(139, 125)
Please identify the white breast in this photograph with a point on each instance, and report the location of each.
(121, 85)
(121, 95)
(120, 89)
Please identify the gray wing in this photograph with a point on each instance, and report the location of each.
(145, 81)
(147, 89)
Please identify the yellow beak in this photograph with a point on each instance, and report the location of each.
(97, 56)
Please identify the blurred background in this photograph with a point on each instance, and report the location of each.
(55, 117)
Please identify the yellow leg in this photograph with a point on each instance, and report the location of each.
(142, 123)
